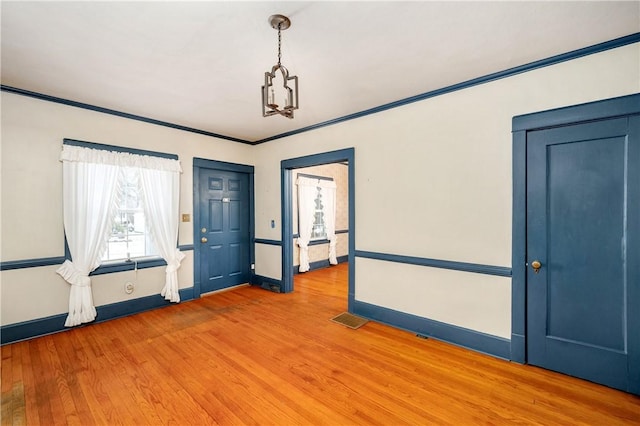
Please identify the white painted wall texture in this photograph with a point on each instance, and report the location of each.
(433, 180)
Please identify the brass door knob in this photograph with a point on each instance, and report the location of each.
(203, 240)
(536, 265)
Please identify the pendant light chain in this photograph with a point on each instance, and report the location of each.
(279, 43)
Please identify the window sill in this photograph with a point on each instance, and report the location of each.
(109, 268)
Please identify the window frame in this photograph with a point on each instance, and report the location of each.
(112, 266)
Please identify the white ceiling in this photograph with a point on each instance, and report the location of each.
(201, 64)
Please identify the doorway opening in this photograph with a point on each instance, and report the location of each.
(287, 168)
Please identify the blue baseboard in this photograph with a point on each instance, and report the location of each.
(320, 264)
(42, 326)
(470, 339)
(267, 283)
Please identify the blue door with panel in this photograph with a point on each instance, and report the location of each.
(583, 250)
(224, 229)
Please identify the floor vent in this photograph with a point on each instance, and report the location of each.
(350, 320)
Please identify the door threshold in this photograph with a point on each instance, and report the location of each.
(222, 290)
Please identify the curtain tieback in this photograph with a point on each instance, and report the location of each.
(174, 264)
(73, 275)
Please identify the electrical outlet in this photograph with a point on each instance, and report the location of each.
(128, 287)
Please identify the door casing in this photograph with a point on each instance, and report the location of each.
(201, 163)
(286, 166)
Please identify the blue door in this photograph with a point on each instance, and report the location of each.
(583, 251)
(224, 229)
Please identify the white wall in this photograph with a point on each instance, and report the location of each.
(433, 180)
(31, 198)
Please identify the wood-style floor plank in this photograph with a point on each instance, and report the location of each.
(252, 357)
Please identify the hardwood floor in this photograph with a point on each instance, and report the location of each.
(249, 356)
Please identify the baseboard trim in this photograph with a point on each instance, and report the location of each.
(54, 324)
(320, 264)
(267, 283)
(480, 342)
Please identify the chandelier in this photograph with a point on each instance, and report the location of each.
(279, 97)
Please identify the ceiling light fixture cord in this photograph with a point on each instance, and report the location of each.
(279, 43)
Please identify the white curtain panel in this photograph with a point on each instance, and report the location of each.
(306, 209)
(307, 192)
(329, 209)
(90, 195)
(161, 196)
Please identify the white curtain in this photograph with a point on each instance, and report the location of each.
(307, 193)
(161, 196)
(307, 189)
(329, 210)
(90, 195)
(91, 191)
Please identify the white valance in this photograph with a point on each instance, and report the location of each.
(80, 154)
(323, 183)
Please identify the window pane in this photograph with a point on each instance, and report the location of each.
(318, 231)
(129, 237)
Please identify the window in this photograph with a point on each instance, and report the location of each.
(318, 232)
(109, 192)
(129, 238)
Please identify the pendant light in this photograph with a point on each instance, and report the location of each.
(280, 91)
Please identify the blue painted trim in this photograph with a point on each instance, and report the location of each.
(614, 107)
(204, 163)
(470, 339)
(315, 177)
(500, 271)
(518, 348)
(320, 264)
(82, 105)
(39, 327)
(267, 242)
(341, 231)
(286, 166)
(518, 247)
(267, 283)
(185, 247)
(128, 266)
(286, 208)
(114, 148)
(597, 48)
(31, 263)
(223, 165)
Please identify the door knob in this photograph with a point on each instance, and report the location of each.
(203, 240)
(536, 265)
